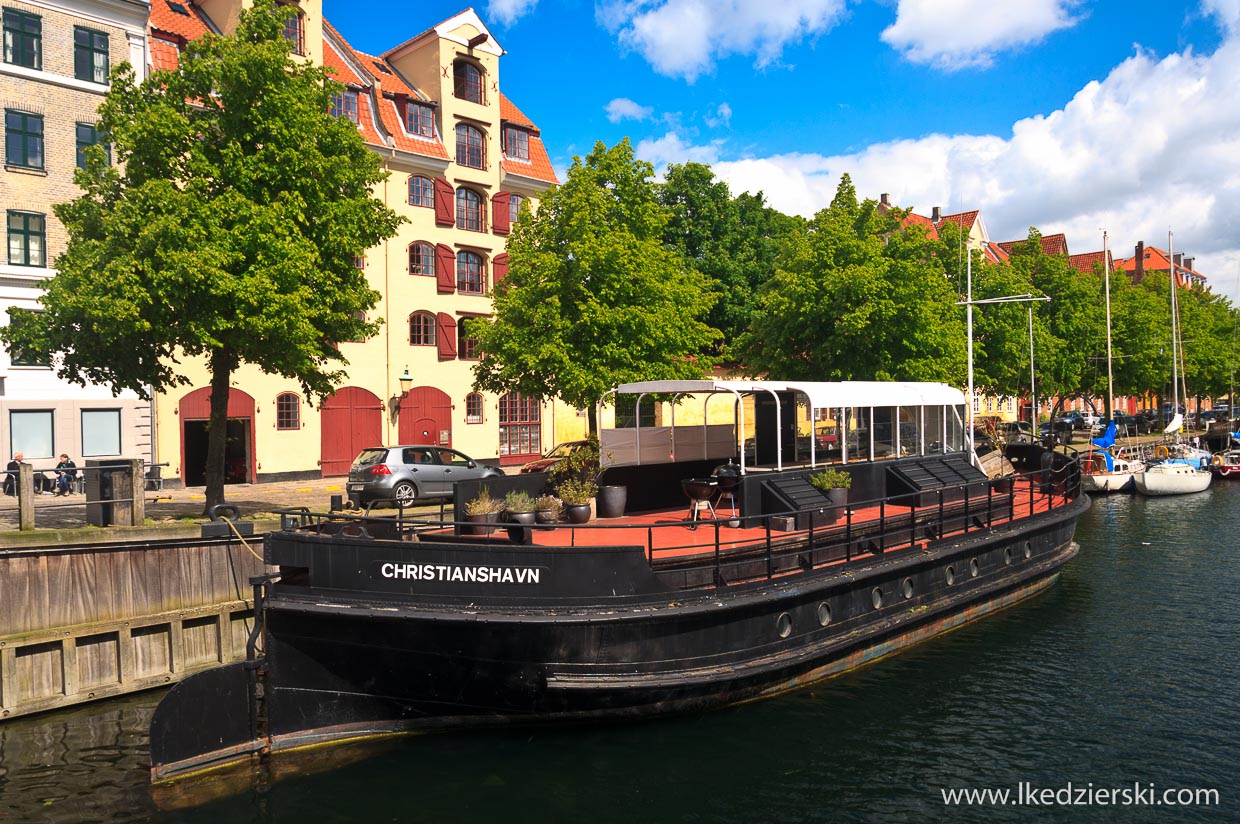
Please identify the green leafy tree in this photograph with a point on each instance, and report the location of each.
(856, 297)
(731, 242)
(593, 296)
(228, 230)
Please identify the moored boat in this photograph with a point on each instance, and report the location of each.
(1226, 464)
(1173, 477)
(382, 625)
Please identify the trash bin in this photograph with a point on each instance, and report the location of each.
(100, 490)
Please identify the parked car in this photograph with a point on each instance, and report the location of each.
(1016, 431)
(1074, 420)
(557, 454)
(405, 474)
(1132, 424)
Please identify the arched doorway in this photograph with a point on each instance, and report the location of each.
(352, 419)
(425, 417)
(194, 411)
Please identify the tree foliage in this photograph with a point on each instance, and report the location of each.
(593, 297)
(856, 297)
(228, 230)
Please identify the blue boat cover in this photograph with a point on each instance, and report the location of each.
(1105, 443)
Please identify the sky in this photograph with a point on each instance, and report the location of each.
(1073, 116)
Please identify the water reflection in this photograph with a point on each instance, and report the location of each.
(1124, 672)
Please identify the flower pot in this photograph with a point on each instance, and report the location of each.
(521, 517)
(546, 516)
(482, 523)
(837, 505)
(577, 513)
(611, 501)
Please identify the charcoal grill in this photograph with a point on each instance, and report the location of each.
(728, 476)
(699, 491)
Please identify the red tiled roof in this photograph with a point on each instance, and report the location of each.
(964, 220)
(537, 167)
(164, 55)
(1085, 261)
(914, 219)
(1051, 244)
(996, 253)
(509, 112)
(188, 26)
(1156, 260)
(391, 111)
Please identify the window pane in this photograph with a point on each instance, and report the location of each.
(101, 432)
(31, 433)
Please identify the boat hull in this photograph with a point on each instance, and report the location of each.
(1172, 479)
(347, 664)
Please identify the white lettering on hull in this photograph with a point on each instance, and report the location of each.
(462, 574)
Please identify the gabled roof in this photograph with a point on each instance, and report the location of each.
(964, 220)
(995, 253)
(538, 166)
(1156, 260)
(1051, 244)
(914, 219)
(181, 19)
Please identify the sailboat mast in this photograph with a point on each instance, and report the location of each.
(1175, 363)
(1106, 268)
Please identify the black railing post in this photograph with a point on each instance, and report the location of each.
(882, 526)
(768, 548)
(966, 508)
(942, 529)
(848, 534)
(990, 497)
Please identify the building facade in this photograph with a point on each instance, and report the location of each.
(57, 56)
(463, 163)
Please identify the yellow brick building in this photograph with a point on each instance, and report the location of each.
(462, 160)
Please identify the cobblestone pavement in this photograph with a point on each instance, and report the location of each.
(186, 504)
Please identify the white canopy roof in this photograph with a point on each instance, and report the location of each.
(821, 394)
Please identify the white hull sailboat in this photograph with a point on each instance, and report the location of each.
(1172, 478)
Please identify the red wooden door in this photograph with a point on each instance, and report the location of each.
(425, 417)
(351, 419)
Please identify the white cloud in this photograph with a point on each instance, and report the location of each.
(953, 34)
(1227, 12)
(722, 116)
(508, 12)
(1154, 145)
(624, 109)
(684, 38)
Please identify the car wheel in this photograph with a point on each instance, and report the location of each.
(405, 493)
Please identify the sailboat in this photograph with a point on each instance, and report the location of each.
(1183, 470)
(1106, 469)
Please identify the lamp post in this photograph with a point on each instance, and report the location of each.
(406, 381)
(969, 303)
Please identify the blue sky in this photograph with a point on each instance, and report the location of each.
(1070, 115)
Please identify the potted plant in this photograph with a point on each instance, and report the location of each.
(483, 509)
(547, 509)
(576, 495)
(585, 465)
(519, 507)
(834, 484)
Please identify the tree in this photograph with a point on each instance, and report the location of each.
(856, 297)
(593, 297)
(228, 231)
(733, 242)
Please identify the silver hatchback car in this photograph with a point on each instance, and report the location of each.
(404, 474)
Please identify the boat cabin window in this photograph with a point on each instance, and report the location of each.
(909, 432)
(860, 444)
(935, 430)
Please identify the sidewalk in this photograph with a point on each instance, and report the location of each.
(185, 505)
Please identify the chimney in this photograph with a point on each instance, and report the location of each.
(1179, 259)
(1188, 263)
(884, 199)
(1138, 269)
(936, 215)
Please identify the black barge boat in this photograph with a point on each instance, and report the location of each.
(381, 625)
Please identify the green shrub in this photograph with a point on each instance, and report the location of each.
(831, 479)
(547, 503)
(575, 492)
(483, 503)
(518, 501)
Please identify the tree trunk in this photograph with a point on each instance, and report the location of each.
(217, 429)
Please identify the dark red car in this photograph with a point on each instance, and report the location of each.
(553, 457)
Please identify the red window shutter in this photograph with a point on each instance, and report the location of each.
(500, 224)
(445, 336)
(445, 269)
(499, 267)
(445, 203)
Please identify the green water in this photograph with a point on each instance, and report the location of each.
(1122, 675)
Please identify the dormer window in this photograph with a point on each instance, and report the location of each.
(420, 120)
(344, 104)
(516, 143)
(467, 81)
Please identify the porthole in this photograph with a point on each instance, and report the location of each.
(783, 625)
(824, 614)
(1028, 550)
(876, 595)
(907, 588)
(1007, 557)
(974, 568)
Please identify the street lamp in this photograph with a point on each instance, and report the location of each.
(406, 381)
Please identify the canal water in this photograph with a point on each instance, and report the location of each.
(1123, 676)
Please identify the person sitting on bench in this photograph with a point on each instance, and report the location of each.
(66, 474)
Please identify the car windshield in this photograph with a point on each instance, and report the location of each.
(562, 451)
(371, 456)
